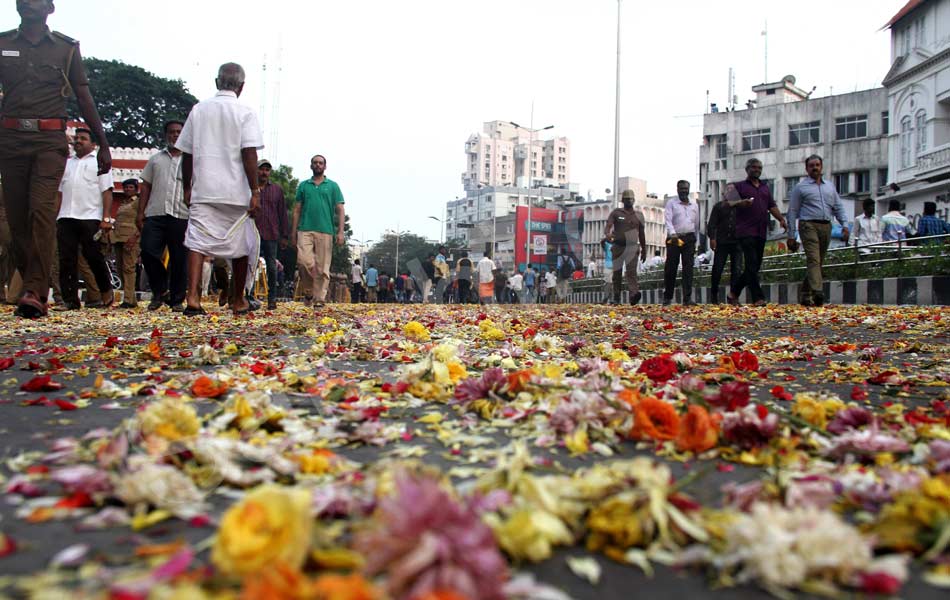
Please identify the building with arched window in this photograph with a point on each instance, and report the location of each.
(918, 91)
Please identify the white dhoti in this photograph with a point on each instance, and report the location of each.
(224, 231)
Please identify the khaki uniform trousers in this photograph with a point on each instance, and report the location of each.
(314, 253)
(815, 239)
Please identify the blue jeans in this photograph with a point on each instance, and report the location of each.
(269, 252)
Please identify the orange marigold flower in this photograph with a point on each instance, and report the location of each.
(654, 419)
(698, 430)
(205, 387)
(344, 587)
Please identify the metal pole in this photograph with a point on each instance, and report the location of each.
(527, 242)
(617, 116)
(493, 228)
(397, 250)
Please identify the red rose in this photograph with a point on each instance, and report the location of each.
(732, 396)
(659, 369)
(745, 361)
(880, 583)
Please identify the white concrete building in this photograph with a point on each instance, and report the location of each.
(918, 96)
(505, 155)
(785, 125)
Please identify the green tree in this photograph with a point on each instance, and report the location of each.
(341, 261)
(133, 103)
(411, 246)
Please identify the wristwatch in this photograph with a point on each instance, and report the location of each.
(109, 220)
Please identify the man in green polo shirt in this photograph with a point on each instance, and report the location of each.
(318, 214)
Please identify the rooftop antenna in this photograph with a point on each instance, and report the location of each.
(262, 112)
(731, 100)
(765, 34)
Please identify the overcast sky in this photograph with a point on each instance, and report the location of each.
(389, 91)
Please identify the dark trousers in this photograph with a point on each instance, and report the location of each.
(752, 249)
(358, 294)
(31, 166)
(70, 234)
(725, 251)
(269, 252)
(158, 234)
(465, 291)
(676, 254)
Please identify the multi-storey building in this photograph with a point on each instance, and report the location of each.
(918, 96)
(505, 155)
(486, 202)
(783, 126)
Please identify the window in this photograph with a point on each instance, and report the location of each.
(906, 141)
(885, 123)
(756, 139)
(862, 182)
(881, 178)
(841, 183)
(849, 128)
(920, 33)
(804, 133)
(770, 183)
(790, 183)
(721, 148)
(905, 40)
(921, 126)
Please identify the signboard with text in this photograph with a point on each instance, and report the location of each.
(539, 243)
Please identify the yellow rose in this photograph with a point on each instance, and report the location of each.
(414, 330)
(810, 410)
(170, 418)
(270, 526)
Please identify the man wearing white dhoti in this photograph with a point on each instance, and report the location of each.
(219, 145)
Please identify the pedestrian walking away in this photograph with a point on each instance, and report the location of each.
(317, 224)
(84, 201)
(813, 203)
(372, 283)
(272, 225)
(754, 205)
(625, 230)
(162, 222)
(930, 224)
(39, 70)
(219, 143)
(486, 278)
(682, 231)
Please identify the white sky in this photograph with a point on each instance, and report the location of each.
(389, 91)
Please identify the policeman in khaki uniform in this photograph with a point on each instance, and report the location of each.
(39, 69)
(125, 239)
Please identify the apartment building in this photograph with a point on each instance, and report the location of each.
(918, 97)
(784, 125)
(505, 155)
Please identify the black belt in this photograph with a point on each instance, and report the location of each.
(821, 221)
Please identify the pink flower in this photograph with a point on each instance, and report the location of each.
(879, 583)
(425, 540)
(742, 496)
(747, 428)
(815, 491)
(475, 388)
(940, 455)
(865, 443)
(853, 417)
(691, 383)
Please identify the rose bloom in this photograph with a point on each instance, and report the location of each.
(732, 396)
(659, 369)
(698, 431)
(654, 419)
(270, 526)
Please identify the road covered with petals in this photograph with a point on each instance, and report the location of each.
(463, 452)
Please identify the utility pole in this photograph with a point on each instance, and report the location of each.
(616, 185)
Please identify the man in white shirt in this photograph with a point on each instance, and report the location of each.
(867, 227)
(516, 283)
(486, 279)
(591, 269)
(162, 222)
(356, 280)
(682, 231)
(550, 286)
(219, 142)
(84, 206)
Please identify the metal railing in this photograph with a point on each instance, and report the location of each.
(854, 256)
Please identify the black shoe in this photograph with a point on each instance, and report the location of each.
(192, 312)
(253, 304)
(155, 303)
(818, 298)
(128, 305)
(272, 305)
(667, 301)
(635, 299)
(687, 302)
(66, 306)
(95, 304)
(180, 307)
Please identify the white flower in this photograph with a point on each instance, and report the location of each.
(206, 355)
(161, 486)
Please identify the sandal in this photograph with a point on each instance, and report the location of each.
(191, 311)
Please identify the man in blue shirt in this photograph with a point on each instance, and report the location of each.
(529, 277)
(372, 283)
(931, 224)
(813, 204)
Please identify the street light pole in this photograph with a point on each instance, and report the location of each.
(617, 115)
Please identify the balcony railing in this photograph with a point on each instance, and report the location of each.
(935, 160)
